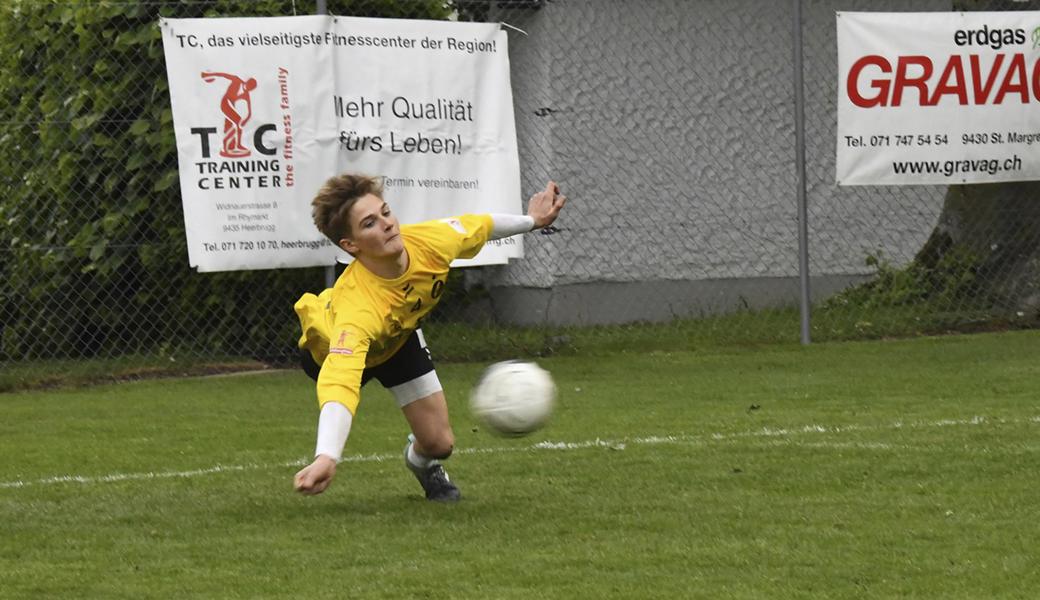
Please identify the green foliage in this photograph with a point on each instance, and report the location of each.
(952, 282)
(92, 244)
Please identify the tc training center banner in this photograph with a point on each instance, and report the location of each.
(266, 109)
(938, 98)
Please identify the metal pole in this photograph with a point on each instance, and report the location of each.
(321, 7)
(803, 211)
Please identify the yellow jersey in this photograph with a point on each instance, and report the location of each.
(364, 319)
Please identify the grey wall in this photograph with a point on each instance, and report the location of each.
(670, 126)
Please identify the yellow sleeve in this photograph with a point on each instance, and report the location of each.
(338, 341)
(477, 230)
(456, 237)
(340, 376)
(313, 314)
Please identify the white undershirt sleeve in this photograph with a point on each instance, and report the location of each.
(333, 429)
(506, 225)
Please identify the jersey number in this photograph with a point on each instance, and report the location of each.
(435, 292)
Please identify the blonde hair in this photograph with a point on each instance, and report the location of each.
(331, 206)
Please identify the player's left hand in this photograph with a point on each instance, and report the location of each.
(545, 206)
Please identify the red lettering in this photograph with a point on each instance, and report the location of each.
(981, 93)
(903, 80)
(1036, 79)
(886, 86)
(955, 66)
(881, 85)
(1017, 70)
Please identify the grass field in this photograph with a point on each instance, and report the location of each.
(885, 469)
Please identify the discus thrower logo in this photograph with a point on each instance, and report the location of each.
(244, 169)
(1036, 38)
(237, 107)
(341, 345)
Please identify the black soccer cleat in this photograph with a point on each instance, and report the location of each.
(433, 479)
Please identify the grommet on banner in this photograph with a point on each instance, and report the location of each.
(504, 24)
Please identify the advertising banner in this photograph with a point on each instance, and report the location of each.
(266, 109)
(938, 98)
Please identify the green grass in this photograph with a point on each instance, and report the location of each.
(464, 342)
(35, 374)
(886, 469)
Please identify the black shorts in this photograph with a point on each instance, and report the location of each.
(412, 361)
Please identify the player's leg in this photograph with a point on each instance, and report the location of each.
(410, 376)
(428, 418)
(430, 442)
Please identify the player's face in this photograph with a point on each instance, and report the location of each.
(374, 230)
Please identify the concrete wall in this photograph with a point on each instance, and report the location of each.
(670, 126)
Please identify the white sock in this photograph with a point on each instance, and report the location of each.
(418, 460)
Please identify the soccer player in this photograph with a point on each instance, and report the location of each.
(367, 325)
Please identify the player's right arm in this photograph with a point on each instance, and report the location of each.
(339, 388)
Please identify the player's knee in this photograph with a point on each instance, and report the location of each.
(442, 447)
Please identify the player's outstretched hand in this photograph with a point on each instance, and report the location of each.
(315, 477)
(545, 206)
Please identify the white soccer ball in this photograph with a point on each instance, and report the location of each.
(514, 398)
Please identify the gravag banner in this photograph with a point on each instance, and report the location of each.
(266, 109)
(938, 98)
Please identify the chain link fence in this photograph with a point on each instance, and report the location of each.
(934, 258)
(670, 124)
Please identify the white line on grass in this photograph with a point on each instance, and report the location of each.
(787, 442)
(765, 432)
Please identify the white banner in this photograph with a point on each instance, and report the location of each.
(266, 109)
(938, 98)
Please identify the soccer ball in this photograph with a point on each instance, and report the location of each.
(513, 398)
